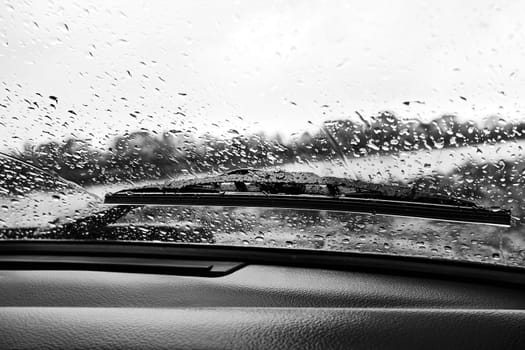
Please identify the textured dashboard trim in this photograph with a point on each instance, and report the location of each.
(260, 328)
(250, 286)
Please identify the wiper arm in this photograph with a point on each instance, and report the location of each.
(92, 224)
(248, 188)
(83, 228)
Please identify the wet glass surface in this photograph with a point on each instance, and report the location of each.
(420, 94)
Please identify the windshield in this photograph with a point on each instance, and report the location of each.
(99, 97)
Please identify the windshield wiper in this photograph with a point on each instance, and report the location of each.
(253, 188)
(83, 228)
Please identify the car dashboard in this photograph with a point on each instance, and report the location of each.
(140, 296)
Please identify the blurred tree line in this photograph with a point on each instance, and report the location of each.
(140, 155)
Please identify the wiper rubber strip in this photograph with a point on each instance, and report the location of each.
(444, 212)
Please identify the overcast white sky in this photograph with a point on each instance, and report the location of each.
(276, 66)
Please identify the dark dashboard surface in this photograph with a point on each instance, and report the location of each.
(254, 305)
(250, 286)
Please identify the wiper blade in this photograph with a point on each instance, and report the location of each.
(444, 212)
(251, 188)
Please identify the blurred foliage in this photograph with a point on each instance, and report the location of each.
(141, 156)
